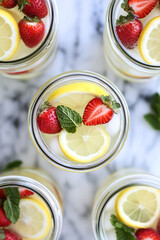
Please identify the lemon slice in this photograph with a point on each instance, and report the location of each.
(86, 145)
(9, 35)
(35, 219)
(138, 206)
(149, 42)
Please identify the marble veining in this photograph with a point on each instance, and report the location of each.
(80, 47)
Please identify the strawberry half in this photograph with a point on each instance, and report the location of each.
(4, 221)
(8, 3)
(99, 111)
(128, 30)
(9, 235)
(47, 119)
(24, 192)
(32, 31)
(142, 8)
(147, 234)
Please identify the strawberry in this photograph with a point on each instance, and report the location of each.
(158, 226)
(8, 3)
(9, 235)
(128, 30)
(147, 234)
(31, 31)
(142, 8)
(99, 111)
(2, 193)
(4, 221)
(24, 192)
(33, 8)
(47, 119)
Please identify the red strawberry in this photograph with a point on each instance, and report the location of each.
(33, 8)
(2, 193)
(4, 221)
(147, 234)
(158, 226)
(128, 31)
(98, 112)
(24, 192)
(142, 8)
(31, 31)
(8, 3)
(47, 119)
(9, 235)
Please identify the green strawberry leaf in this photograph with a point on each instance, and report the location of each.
(153, 121)
(123, 232)
(2, 234)
(1, 1)
(107, 100)
(68, 118)
(22, 3)
(12, 165)
(11, 204)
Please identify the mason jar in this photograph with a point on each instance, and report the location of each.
(104, 203)
(67, 83)
(45, 191)
(38, 60)
(121, 61)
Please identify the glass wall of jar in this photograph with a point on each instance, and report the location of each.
(105, 200)
(121, 61)
(27, 63)
(46, 198)
(76, 89)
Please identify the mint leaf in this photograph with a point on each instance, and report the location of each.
(68, 118)
(12, 165)
(153, 121)
(123, 232)
(155, 104)
(2, 234)
(11, 204)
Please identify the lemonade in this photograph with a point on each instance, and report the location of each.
(28, 37)
(79, 121)
(35, 203)
(127, 207)
(131, 36)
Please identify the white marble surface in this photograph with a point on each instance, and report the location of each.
(80, 47)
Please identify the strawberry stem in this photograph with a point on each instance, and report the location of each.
(107, 100)
(30, 19)
(44, 106)
(22, 3)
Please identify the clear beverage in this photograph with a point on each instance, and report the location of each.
(128, 64)
(108, 197)
(75, 90)
(42, 205)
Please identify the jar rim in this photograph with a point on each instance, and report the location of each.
(58, 162)
(121, 49)
(51, 36)
(119, 184)
(37, 187)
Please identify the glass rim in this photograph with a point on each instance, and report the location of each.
(53, 30)
(85, 167)
(121, 49)
(22, 181)
(114, 187)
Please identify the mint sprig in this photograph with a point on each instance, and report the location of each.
(2, 234)
(123, 232)
(154, 118)
(11, 204)
(68, 118)
(12, 165)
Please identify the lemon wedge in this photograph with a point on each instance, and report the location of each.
(86, 145)
(35, 221)
(149, 42)
(138, 206)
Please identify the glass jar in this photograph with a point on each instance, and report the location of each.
(116, 56)
(117, 182)
(66, 79)
(44, 186)
(37, 61)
